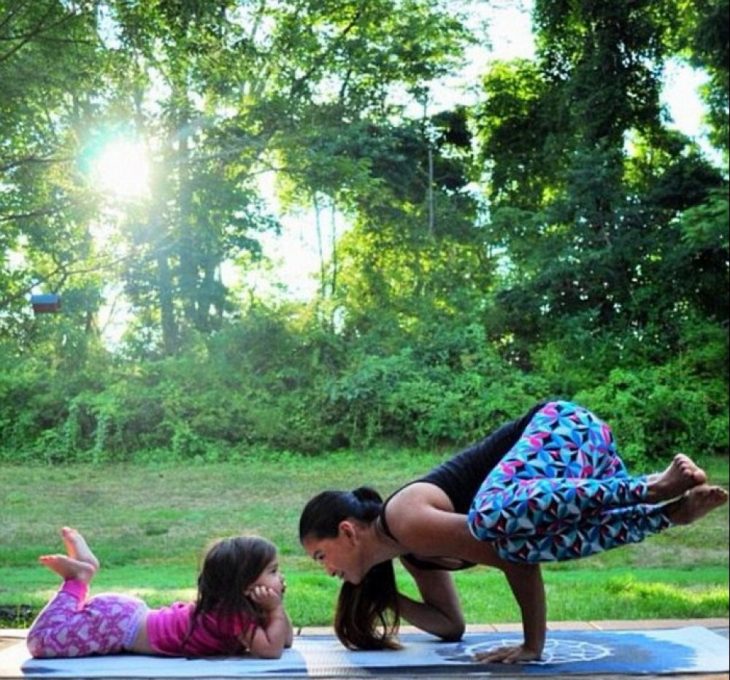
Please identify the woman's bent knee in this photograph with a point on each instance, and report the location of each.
(481, 528)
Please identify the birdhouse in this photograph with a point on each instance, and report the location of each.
(46, 302)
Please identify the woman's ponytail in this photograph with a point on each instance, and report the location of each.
(367, 615)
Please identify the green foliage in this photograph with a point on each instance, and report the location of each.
(49, 51)
(656, 410)
(266, 383)
(446, 387)
(555, 239)
(708, 47)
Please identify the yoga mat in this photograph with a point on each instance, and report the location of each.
(652, 652)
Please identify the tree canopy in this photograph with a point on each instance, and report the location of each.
(556, 236)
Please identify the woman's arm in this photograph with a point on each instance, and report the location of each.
(525, 580)
(440, 612)
(422, 518)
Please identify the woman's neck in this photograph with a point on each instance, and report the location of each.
(380, 546)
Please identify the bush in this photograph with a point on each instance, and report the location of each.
(657, 411)
(264, 384)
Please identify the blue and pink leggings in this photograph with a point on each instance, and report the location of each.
(562, 492)
(73, 625)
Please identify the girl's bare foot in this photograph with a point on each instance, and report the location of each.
(69, 568)
(696, 503)
(682, 475)
(77, 548)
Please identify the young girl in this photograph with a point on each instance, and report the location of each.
(239, 608)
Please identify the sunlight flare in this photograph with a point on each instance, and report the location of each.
(122, 170)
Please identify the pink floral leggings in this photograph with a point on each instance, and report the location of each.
(72, 624)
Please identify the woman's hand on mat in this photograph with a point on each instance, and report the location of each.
(507, 655)
(266, 598)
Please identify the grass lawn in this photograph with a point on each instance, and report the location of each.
(149, 523)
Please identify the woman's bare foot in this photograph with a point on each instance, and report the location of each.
(682, 475)
(696, 503)
(77, 548)
(68, 568)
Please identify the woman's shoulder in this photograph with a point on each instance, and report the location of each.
(406, 508)
(420, 492)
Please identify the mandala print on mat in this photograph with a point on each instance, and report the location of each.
(555, 651)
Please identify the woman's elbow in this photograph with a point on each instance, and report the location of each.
(453, 631)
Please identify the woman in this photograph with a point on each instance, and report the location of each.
(546, 487)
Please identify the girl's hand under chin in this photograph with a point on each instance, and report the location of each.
(265, 597)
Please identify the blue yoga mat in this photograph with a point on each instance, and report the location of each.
(653, 652)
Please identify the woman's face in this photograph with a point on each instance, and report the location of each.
(341, 556)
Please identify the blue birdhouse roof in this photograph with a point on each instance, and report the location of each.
(45, 299)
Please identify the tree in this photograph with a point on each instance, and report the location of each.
(592, 241)
(49, 63)
(246, 85)
(706, 44)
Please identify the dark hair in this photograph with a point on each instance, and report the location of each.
(367, 615)
(230, 566)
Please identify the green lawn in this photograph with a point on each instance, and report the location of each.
(148, 524)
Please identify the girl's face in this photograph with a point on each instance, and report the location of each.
(271, 577)
(340, 556)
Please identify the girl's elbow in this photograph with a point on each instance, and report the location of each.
(268, 653)
(264, 648)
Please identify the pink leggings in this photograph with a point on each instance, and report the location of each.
(72, 624)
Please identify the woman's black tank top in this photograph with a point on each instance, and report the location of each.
(461, 476)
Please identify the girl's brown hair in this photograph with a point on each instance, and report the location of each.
(367, 615)
(230, 566)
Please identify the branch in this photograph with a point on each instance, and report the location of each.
(62, 273)
(40, 212)
(24, 38)
(16, 8)
(299, 82)
(9, 165)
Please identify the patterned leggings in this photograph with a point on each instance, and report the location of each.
(562, 492)
(72, 625)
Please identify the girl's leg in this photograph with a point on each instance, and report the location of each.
(48, 635)
(564, 467)
(72, 626)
